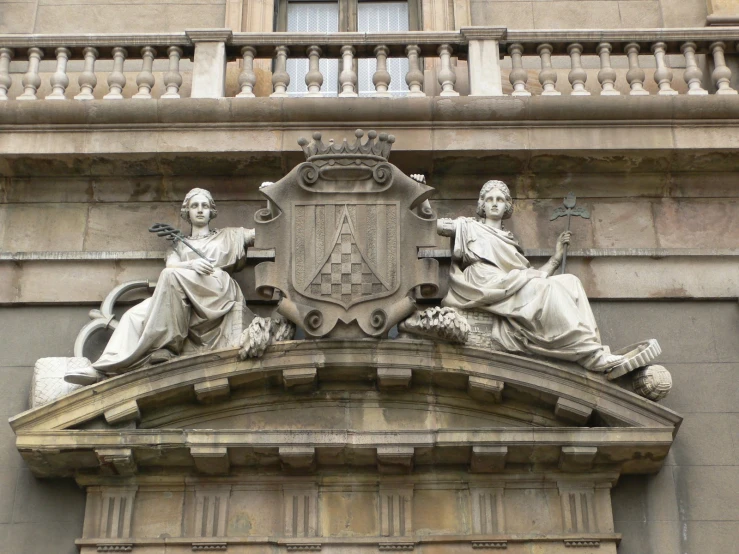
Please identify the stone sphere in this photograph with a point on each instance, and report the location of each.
(653, 382)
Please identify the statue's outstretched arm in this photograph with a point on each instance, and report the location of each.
(445, 227)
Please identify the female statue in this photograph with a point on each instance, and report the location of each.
(539, 313)
(196, 304)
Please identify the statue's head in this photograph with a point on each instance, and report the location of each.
(486, 188)
(185, 209)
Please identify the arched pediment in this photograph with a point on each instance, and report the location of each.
(396, 402)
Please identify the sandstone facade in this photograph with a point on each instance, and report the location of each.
(81, 182)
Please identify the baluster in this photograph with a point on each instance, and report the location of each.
(314, 79)
(247, 77)
(693, 75)
(721, 74)
(280, 77)
(59, 80)
(348, 77)
(6, 54)
(547, 75)
(414, 77)
(577, 75)
(606, 75)
(172, 78)
(635, 75)
(116, 79)
(87, 79)
(663, 74)
(31, 80)
(447, 76)
(518, 75)
(381, 78)
(145, 78)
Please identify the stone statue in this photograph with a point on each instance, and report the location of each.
(196, 305)
(538, 312)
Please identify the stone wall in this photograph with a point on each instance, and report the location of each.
(109, 16)
(593, 14)
(35, 516)
(105, 16)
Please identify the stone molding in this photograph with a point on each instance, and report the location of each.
(429, 112)
(47, 435)
(425, 358)
(256, 255)
(505, 35)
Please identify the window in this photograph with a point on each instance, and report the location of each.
(347, 15)
(382, 17)
(314, 17)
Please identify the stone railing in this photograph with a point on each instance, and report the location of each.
(618, 60)
(698, 53)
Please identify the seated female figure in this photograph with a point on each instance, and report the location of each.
(540, 313)
(196, 304)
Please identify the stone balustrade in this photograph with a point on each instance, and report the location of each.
(606, 63)
(629, 62)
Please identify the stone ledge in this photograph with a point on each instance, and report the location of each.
(374, 542)
(258, 255)
(339, 361)
(431, 111)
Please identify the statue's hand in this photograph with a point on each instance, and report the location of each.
(203, 267)
(562, 240)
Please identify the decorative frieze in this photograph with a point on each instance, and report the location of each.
(488, 511)
(578, 508)
(209, 546)
(300, 508)
(584, 543)
(396, 512)
(489, 545)
(116, 510)
(211, 511)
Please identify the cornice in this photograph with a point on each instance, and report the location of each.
(118, 399)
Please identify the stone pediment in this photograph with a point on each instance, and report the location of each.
(396, 403)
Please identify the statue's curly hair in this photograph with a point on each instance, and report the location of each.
(486, 188)
(185, 209)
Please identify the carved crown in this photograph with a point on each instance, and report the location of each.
(378, 150)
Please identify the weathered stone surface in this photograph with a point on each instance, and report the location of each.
(623, 225)
(105, 222)
(583, 15)
(508, 14)
(43, 227)
(645, 15)
(102, 17)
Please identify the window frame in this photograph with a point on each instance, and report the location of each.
(347, 14)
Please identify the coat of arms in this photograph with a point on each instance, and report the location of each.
(346, 227)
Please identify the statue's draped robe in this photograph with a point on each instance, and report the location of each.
(188, 312)
(544, 315)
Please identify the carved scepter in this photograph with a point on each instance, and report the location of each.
(170, 233)
(568, 208)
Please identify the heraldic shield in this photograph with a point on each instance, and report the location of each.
(346, 227)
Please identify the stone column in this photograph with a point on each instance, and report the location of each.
(209, 67)
(483, 61)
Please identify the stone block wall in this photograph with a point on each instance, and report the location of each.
(105, 16)
(35, 515)
(690, 506)
(589, 14)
